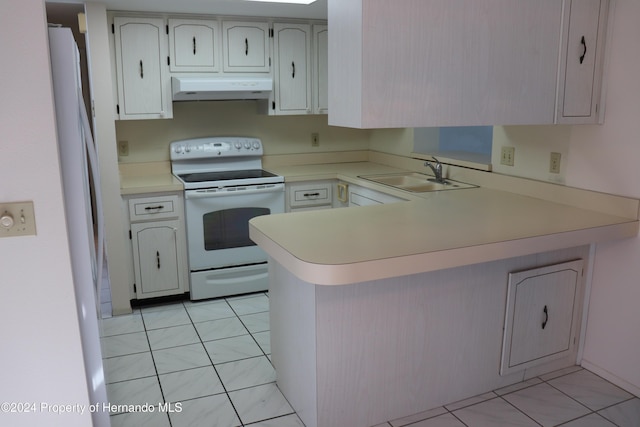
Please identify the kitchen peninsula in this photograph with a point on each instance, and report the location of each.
(383, 311)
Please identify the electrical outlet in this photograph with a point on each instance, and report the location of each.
(123, 148)
(315, 139)
(554, 162)
(507, 156)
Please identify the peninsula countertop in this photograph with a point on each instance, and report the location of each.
(431, 231)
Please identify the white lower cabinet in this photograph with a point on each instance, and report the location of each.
(303, 196)
(361, 196)
(542, 315)
(158, 246)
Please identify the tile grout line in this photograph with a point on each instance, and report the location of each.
(224, 387)
(155, 368)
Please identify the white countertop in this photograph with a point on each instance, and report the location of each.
(145, 178)
(433, 231)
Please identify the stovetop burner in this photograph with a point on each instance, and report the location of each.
(225, 175)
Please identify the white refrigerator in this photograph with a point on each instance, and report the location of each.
(85, 227)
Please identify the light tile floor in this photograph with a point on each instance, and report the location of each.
(210, 359)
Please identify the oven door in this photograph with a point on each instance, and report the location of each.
(218, 224)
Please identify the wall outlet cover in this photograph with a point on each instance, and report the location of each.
(554, 162)
(507, 156)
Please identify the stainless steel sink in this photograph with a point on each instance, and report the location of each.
(415, 182)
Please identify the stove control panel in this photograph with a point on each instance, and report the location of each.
(201, 148)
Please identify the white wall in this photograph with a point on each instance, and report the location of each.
(149, 139)
(41, 357)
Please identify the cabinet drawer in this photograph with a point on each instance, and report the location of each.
(310, 195)
(141, 209)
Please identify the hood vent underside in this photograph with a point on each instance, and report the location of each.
(220, 88)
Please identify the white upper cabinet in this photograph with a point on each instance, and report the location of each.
(580, 79)
(246, 47)
(420, 63)
(141, 69)
(320, 74)
(194, 45)
(292, 71)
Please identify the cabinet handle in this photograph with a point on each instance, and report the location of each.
(194, 45)
(584, 46)
(311, 194)
(546, 317)
(152, 208)
(246, 47)
(158, 258)
(293, 68)
(141, 70)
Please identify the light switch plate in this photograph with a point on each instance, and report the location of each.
(17, 219)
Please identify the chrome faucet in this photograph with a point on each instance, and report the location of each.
(437, 170)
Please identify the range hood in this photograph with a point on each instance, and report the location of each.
(220, 88)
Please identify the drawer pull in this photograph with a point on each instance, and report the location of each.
(158, 258)
(311, 194)
(154, 208)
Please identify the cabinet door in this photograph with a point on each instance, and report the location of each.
(246, 47)
(581, 76)
(157, 261)
(144, 87)
(422, 63)
(320, 73)
(193, 45)
(541, 319)
(292, 46)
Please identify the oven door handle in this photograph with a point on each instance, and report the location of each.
(203, 194)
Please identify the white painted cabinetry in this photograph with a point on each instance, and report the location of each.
(194, 45)
(159, 245)
(292, 70)
(320, 73)
(580, 77)
(142, 75)
(245, 47)
(361, 196)
(542, 315)
(305, 196)
(416, 63)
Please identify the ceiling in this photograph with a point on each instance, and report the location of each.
(317, 10)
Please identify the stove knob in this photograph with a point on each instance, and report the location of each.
(188, 149)
(247, 145)
(177, 149)
(238, 145)
(256, 145)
